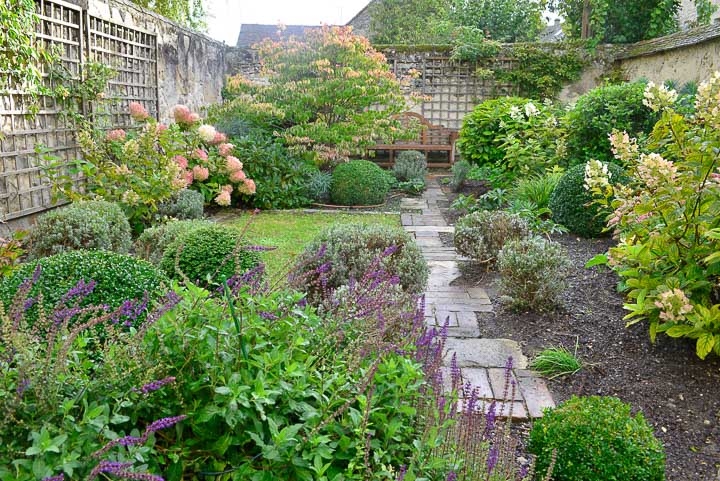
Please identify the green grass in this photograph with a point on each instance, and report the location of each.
(556, 361)
(291, 231)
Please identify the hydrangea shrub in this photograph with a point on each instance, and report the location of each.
(667, 219)
(141, 168)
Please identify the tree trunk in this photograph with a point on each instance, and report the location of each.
(585, 31)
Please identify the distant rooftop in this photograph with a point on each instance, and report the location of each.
(553, 32)
(252, 33)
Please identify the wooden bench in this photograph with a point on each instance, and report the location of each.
(432, 138)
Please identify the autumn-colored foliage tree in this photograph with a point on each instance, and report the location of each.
(329, 93)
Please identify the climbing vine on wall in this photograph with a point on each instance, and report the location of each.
(540, 71)
(20, 57)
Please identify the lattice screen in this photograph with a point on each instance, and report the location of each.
(23, 189)
(453, 87)
(133, 54)
(79, 38)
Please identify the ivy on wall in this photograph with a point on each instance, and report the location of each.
(20, 57)
(541, 71)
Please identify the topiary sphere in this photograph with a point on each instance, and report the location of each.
(152, 242)
(358, 182)
(572, 205)
(208, 255)
(118, 278)
(596, 439)
(597, 112)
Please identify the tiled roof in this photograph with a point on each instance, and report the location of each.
(252, 33)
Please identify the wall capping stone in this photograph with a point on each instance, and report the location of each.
(673, 41)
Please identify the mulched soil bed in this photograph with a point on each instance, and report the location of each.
(678, 393)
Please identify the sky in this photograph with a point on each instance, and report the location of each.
(226, 16)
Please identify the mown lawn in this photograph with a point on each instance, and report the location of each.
(291, 231)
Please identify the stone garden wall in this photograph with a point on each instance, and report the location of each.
(690, 56)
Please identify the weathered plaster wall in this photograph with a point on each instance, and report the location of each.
(191, 66)
(690, 56)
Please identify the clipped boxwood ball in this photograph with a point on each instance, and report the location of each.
(596, 439)
(358, 182)
(118, 278)
(572, 205)
(152, 242)
(208, 255)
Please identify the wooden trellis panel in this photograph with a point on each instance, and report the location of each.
(133, 54)
(453, 88)
(23, 188)
(79, 38)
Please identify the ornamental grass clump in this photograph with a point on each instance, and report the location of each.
(344, 252)
(532, 273)
(556, 362)
(480, 235)
(596, 439)
(87, 225)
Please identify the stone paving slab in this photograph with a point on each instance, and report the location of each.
(413, 204)
(488, 353)
(535, 392)
(426, 242)
(429, 228)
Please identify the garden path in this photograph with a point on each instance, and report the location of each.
(482, 361)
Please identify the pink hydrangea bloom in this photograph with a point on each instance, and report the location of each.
(248, 186)
(193, 117)
(138, 112)
(181, 161)
(181, 114)
(189, 176)
(200, 173)
(227, 188)
(200, 154)
(223, 198)
(161, 128)
(118, 134)
(225, 149)
(232, 164)
(207, 132)
(237, 176)
(219, 138)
